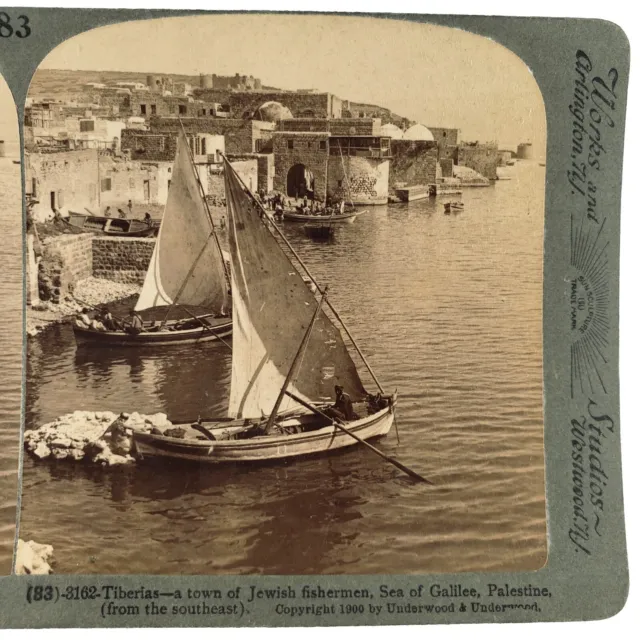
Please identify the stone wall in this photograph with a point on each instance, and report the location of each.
(147, 105)
(66, 180)
(444, 136)
(121, 181)
(261, 175)
(65, 260)
(357, 179)
(145, 145)
(122, 259)
(413, 162)
(446, 167)
(482, 158)
(305, 149)
(336, 126)
(302, 105)
(239, 135)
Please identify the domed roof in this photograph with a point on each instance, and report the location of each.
(392, 131)
(417, 132)
(272, 112)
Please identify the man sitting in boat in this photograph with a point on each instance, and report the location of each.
(343, 407)
(134, 324)
(83, 319)
(108, 320)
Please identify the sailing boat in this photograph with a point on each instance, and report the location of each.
(185, 295)
(288, 357)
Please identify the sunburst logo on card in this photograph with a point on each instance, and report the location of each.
(588, 300)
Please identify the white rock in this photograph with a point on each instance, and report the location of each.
(40, 450)
(33, 558)
(94, 436)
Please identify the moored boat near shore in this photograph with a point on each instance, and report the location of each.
(319, 439)
(110, 226)
(287, 361)
(187, 271)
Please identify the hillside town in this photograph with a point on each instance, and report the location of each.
(104, 145)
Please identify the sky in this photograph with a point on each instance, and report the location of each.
(435, 75)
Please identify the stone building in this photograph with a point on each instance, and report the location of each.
(246, 104)
(240, 136)
(90, 180)
(324, 165)
(482, 158)
(76, 133)
(445, 136)
(414, 162)
(525, 151)
(63, 181)
(236, 83)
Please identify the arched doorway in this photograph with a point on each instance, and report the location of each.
(300, 182)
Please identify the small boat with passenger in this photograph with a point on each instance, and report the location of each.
(287, 362)
(185, 296)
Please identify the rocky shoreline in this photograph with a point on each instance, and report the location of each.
(98, 437)
(92, 291)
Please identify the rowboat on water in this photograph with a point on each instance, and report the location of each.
(289, 358)
(347, 216)
(185, 295)
(319, 230)
(110, 226)
(453, 206)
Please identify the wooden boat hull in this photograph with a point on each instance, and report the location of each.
(319, 231)
(263, 448)
(153, 338)
(111, 226)
(290, 216)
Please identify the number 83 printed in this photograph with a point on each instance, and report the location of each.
(7, 30)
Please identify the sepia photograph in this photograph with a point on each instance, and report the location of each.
(10, 312)
(283, 285)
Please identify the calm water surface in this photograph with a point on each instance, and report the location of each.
(10, 353)
(448, 309)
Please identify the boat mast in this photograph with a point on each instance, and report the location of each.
(294, 364)
(344, 173)
(313, 280)
(213, 233)
(206, 204)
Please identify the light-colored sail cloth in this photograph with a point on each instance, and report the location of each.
(186, 266)
(272, 309)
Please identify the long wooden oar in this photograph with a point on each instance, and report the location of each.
(393, 461)
(205, 326)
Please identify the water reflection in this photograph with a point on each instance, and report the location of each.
(448, 310)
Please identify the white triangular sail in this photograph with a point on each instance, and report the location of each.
(186, 267)
(272, 310)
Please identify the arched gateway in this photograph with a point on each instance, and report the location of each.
(300, 182)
